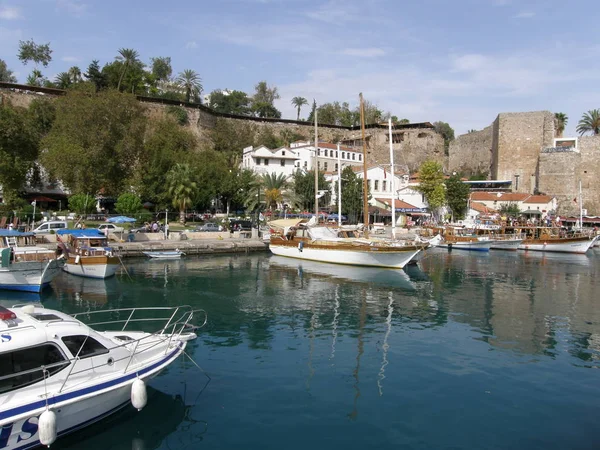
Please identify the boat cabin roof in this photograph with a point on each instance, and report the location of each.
(35, 325)
(91, 233)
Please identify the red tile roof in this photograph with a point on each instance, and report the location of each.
(398, 203)
(481, 208)
(539, 199)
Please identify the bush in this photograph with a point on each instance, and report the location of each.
(179, 113)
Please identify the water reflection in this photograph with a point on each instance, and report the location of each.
(166, 419)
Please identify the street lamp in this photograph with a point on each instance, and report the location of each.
(33, 218)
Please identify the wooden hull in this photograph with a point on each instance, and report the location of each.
(344, 252)
(563, 245)
(92, 266)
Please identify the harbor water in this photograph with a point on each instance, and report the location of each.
(465, 351)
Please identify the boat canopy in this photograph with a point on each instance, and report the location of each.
(286, 223)
(323, 233)
(92, 233)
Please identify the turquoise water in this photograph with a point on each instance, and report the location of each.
(467, 351)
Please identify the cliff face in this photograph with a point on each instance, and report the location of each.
(413, 143)
(471, 153)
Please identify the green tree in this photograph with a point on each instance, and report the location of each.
(182, 188)
(229, 137)
(18, 150)
(82, 203)
(95, 141)
(304, 188)
(166, 144)
(6, 75)
(128, 57)
(41, 113)
(191, 83)
(263, 100)
(352, 195)
(510, 209)
(75, 75)
(298, 103)
(560, 122)
(590, 122)
(179, 114)
(62, 80)
(447, 133)
(35, 78)
(274, 188)
(431, 185)
(95, 75)
(230, 102)
(161, 68)
(30, 51)
(128, 203)
(403, 122)
(457, 196)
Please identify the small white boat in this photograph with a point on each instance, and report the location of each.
(26, 267)
(58, 375)
(165, 254)
(473, 245)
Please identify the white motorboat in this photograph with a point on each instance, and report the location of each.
(470, 244)
(166, 254)
(58, 374)
(25, 266)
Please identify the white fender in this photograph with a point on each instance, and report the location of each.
(47, 427)
(77, 258)
(139, 396)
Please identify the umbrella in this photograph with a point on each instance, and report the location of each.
(120, 219)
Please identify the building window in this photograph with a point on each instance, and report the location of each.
(282, 162)
(305, 164)
(384, 185)
(343, 155)
(266, 161)
(325, 152)
(336, 167)
(325, 165)
(359, 157)
(282, 152)
(353, 155)
(318, 152)
(258, 161)
(376, 185)
(336, 154)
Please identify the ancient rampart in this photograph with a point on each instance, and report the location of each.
(471, 153)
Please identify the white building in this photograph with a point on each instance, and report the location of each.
(262, 160)
(328, 156)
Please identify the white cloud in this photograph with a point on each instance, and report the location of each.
(525, 15)
(74, 7)
(370, 52)
(70, 59)
(191, 45)
(10, 13)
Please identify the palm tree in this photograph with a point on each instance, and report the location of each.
(590, 121)
(75, 74)
(298, 102)
(560, 122)
(35, 78)
(63, 80)
(274, 186)
(190, 81)
(181, 188)
(129, 57)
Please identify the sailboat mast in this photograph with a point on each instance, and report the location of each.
(339, 186)
(365, 181)
(580, 206)
(393, 181)
(316, 168)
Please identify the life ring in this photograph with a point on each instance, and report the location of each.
(86, 253)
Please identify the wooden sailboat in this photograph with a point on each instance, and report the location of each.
(309, 240)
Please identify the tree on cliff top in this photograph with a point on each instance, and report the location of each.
(262, 101)
(590, 122)
(30, 51)
(298, 103)
(447, 133)
(191, 83)
(129, 57)
(6, 75)
(431, 185)
(230, 102)
(560, 122)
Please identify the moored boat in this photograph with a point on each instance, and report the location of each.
(88, 253)
(166, 254)
(58, 374)
(25, 266)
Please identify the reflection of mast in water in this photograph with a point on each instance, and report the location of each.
(311, 345)
(385, 347)
(361, 349)
(334, 324)
(166, 278)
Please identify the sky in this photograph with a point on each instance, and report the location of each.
(458, 61)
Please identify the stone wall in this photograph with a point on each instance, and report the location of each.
(517, 145)
(471, 153)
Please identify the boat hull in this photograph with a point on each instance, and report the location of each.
(29, 276)
(164, 255)
(82, 408)
(396, 259)
(581, 245)
(506, 244)
(92, 266)
(475, 246)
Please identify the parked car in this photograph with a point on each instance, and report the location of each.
(208, 227)
(241, 225)
(50, 226)
(111, 227)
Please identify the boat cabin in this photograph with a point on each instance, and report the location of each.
(85, 242)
